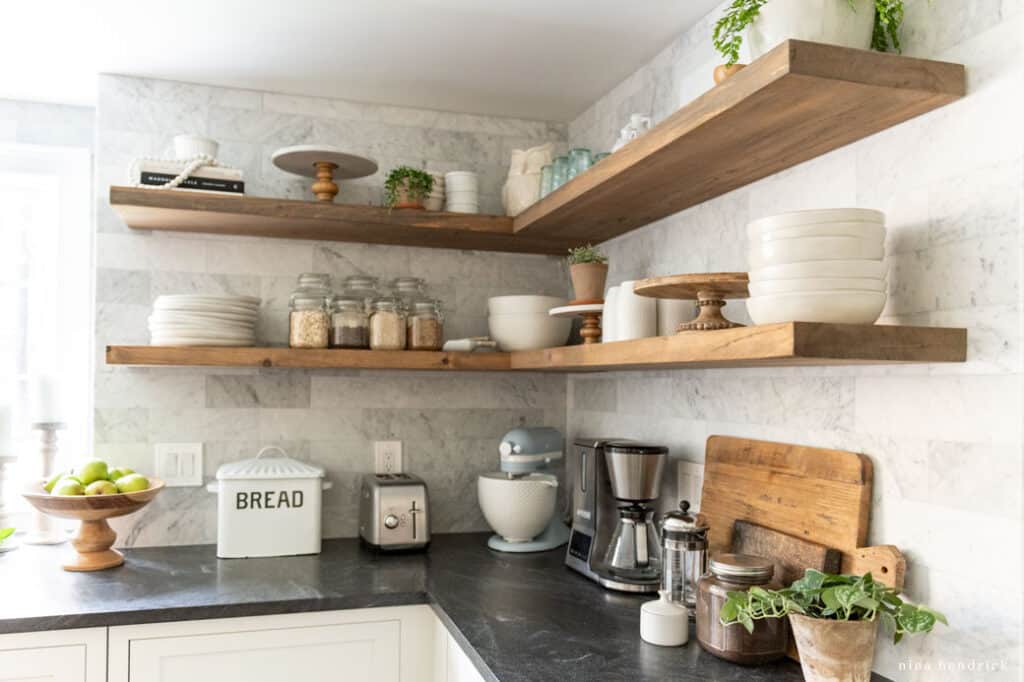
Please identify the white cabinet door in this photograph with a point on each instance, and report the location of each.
(59, 656)
(460, 668)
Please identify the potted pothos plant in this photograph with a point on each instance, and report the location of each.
(588, 268)
(407, 187)
(862, 24)
(834, 619)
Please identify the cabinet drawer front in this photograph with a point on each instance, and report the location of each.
(355, 652)
(47, 664)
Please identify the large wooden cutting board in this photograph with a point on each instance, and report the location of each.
(820, 495)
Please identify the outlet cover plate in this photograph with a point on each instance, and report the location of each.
(387, 457)
(179, 464)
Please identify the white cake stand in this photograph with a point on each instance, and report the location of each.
(325, 164)
(591, 314)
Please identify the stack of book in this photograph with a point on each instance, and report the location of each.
(215, 179)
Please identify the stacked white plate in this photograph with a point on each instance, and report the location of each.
(462, 192)
(201, 320)
(817, 266)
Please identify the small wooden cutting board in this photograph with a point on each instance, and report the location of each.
(792, 555)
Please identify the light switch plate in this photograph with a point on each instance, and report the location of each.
(387, 457)
(178, 464)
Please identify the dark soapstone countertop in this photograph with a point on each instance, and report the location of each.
(520, 617)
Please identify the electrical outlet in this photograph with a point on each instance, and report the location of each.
(690, 481)
(179, 464)
(387, 457)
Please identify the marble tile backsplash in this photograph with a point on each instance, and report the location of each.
(450, 425)
(945, 439)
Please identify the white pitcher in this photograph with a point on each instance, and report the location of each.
(637, 126)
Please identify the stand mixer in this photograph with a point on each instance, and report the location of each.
(519, 502)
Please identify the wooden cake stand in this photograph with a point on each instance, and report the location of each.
(591, 314)
(325, 164)
(710, 289)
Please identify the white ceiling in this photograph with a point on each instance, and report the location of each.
(545, 59)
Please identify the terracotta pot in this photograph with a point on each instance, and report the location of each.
(834, 650)
(403, 200)
(588, 280)
(723, 71)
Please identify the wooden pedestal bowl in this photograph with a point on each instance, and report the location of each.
(95, 536)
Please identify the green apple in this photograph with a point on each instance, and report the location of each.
(69, 477)
(53, 481)
(101, 487)
(90, 471)
(118, 472)
(66, 486)
(132, 483)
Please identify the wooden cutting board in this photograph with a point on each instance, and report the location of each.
(792, 555)
(815, 494)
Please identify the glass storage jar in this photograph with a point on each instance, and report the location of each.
(387, 325)
(426, 326)
(738, 573)
(308, 321)
(559, 172)
(362, 287)
(350, 325)
(407, 290)
(579, 161)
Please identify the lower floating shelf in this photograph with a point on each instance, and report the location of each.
(785, 344)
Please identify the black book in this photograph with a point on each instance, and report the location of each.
(208, 184)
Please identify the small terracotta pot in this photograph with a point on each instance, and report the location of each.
(588, 280)
(834, 650)
(403, 200)
(723, 71)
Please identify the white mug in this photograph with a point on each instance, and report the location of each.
(190, 146)
(636, 316)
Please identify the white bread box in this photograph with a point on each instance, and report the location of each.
(268, 506)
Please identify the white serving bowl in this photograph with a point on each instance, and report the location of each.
(529, 331)
(875, 231)
(462, 196)
(816, 216)
(784, 251)
(523, 303)
(517, 509)
(860, 268)
(844, 307)
(790, 286)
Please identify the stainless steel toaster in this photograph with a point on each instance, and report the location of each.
(394, 512)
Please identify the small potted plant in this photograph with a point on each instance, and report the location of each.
(860, 24)
(834, 619)
(407, 187)
(588, 268)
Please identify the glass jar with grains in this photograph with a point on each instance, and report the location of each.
(407, 290)
(387, 325)
(350, 325)
(308, 321)
(426, 326)
(362, 287)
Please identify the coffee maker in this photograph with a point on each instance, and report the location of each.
(615, 484)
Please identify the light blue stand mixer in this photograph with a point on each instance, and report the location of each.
(520, 502)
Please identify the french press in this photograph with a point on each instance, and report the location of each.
(684, 554)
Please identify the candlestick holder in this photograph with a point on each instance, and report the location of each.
(44, 529)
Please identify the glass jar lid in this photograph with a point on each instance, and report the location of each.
(359, 282)
(314, 288)
(343, 304)
(302, 301)
(386, 304)
(425, 306)
(743, 567)
(408, 284)
(681, 524)
(314, 279)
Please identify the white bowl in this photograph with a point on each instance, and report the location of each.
(815, 216)
(461, 180)
(875, 231)
(529, 331)
(191, 146)
(789, 286)
(462, 196)
(844, 307)
(462, 208)
(517, 509)
(870, 269)
(784, 251)
(523, 303)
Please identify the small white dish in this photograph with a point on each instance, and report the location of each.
(871, 269)
(875, 231)
(193, 341)
(789, 286)
(815, 216)
(839, 307)
(663, 622)
(785, 251)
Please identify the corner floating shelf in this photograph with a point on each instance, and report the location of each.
(797, 102)
(786, 344)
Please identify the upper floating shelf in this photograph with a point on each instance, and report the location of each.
(795, 103)
(155, 209)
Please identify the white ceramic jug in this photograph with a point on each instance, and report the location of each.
(637, 126)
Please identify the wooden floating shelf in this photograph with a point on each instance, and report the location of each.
(786, 344)
(797, 102)
(177, 211)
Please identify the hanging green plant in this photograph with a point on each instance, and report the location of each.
(728, 34)
(407, 183)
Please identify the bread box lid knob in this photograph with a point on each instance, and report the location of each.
(268, 466)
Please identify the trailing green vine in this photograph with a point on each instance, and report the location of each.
(416, 183)
(740, 14)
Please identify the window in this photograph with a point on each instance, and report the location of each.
(46, 295)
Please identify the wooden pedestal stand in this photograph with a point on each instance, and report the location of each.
(326, 164)
(591, 314)
(709, 289)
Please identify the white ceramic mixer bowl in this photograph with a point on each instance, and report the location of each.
(517, 509)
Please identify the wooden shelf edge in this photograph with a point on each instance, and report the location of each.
(784, 344)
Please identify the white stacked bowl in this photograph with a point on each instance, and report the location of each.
(817, 266)
(462, 192)
(523, 322)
